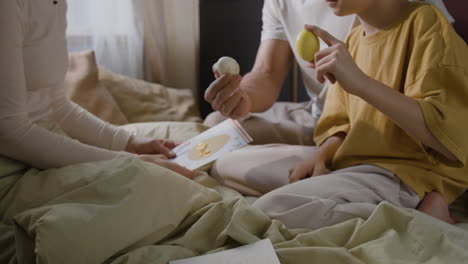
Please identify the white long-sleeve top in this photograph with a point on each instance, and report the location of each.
(33, 63)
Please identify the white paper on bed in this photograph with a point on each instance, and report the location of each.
(211, 144)
(260, 252)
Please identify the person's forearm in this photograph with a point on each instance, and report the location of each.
(263, 84)
(403, 110)
(262, 88)
(328, 149)
(27, 142)
(84, 126)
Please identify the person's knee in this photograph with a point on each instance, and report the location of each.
(224, 168)
(264, 203)
(216, 171)
(226, 171)
(214, 119)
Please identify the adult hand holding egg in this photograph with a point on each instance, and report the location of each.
(225, 94)
(226, 65)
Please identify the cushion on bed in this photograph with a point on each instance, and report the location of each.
(121, 100)
(143, 101)
(84, 88)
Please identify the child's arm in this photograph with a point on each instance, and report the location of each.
(318, 162)
(403, 110)
(329, 134)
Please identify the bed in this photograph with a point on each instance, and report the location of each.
(205, 216)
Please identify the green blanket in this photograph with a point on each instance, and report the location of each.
(126, 211)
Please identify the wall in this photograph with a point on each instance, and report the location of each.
(458, 9)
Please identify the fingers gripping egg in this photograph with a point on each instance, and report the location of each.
(226, 65)
(307, 44)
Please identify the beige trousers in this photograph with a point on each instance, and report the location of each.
(280, 136)
(342, 195)
(256, 170)
(263, 170)
(285, 123)
(314, 202)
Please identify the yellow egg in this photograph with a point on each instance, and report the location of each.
(307, 44)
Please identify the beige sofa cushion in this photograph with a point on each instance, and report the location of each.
(121, 100)
(84, 88)
(143, 101)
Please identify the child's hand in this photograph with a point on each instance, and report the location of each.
(335, 62)
(315, 165)
(144, 145)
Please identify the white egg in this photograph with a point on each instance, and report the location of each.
(227, 65)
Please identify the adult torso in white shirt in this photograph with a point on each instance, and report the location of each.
(285, 19)
(33, 63)
(44, 53)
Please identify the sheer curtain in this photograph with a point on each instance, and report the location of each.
(155, 40)
(172, 41)
(113, 29)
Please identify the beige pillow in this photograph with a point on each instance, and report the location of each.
(83, 87)
(142, 101)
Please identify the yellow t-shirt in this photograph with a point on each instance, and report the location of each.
(422, 57)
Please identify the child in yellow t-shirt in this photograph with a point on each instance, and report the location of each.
(393, 126)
